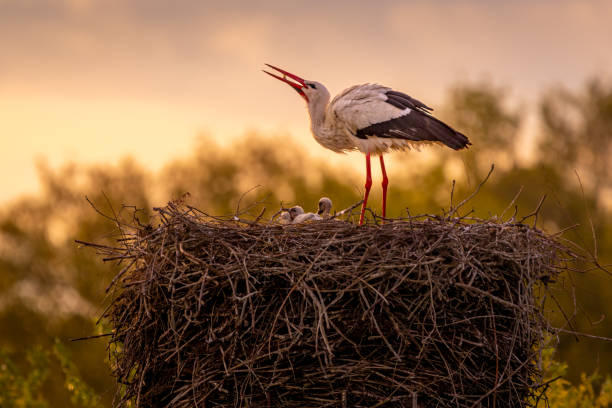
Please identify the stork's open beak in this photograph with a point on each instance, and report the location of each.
(295, 81)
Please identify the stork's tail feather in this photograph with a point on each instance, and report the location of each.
(447, 135)
(457, 141)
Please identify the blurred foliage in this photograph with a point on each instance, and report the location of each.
(50, 288)
(578, 134)
(592, 391)
(24, 387)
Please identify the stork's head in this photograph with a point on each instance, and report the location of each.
(295, 211)
(325, 205)
(313, 92)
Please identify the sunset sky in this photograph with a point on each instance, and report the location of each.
(93, 80)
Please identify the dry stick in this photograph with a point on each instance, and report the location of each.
(544, 387)
(279, 212)
(101, 247)
(116, 219)
(516, 196)
(567, 319)
(120, 274)
(99, 211)
(594, 255)
(348, 209)
(580, 334)
(564, 230)
(97, 336)
(582, 248)
(586, 209)
(241, 197)
(452, 193)
(535, 212)
(468, 198)
(263, 210)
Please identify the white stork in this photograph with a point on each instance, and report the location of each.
(370, 118)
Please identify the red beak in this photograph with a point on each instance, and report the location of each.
(295, 81)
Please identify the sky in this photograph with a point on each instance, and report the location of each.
(98, 80)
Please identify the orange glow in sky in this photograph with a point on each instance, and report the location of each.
(93, 80)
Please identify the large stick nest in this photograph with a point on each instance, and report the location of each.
(429, 311)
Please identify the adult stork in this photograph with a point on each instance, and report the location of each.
(370, 118)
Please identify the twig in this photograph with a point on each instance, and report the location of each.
(241, 197)
(346, 210)
(535, 212)
(468, 198)
(97, 336)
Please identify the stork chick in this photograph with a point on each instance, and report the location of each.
(285, 218)
(299, 216)
(325, 206)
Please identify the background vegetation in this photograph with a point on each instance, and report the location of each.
(51, 291)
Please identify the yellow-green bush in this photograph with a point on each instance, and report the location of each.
(593, 391)
(22, 387)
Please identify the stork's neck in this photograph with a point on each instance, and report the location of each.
(317, 110)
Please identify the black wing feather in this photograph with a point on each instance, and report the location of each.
(402, 101)
(417, 126)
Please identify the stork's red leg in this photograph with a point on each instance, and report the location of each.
(368, 184)
(385, 183)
